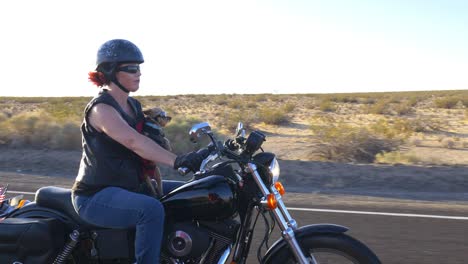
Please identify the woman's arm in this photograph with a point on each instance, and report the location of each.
(104, 118)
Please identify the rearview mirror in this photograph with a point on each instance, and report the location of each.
(240, 131)
(198, 130)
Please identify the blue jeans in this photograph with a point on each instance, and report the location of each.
(118, 208)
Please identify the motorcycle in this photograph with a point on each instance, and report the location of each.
(211, 218)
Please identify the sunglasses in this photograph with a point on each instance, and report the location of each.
(167, 118)
(129, 68)
(163, 115)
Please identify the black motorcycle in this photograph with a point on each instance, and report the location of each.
(209, 219)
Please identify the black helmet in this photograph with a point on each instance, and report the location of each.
(118, 51)
(115, 52)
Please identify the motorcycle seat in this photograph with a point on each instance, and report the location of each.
(60, 199)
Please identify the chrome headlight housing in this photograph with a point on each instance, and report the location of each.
(274, 170)
(269, 169)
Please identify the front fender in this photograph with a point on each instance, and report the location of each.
(301, 232)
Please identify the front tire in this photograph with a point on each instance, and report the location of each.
(330, 248)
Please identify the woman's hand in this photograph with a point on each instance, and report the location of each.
(191, 160)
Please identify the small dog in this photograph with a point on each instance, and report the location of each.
(155, 120)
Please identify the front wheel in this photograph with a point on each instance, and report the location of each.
(330, 248)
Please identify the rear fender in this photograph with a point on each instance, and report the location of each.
(302, 232)
(32, 210)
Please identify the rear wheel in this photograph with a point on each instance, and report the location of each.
(330, 248)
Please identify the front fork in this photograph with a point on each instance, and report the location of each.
(286, 223)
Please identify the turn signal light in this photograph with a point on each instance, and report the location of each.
(21, 203)
(280, 188)
(271, 201)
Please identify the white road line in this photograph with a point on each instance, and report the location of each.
(343, 211)
(378, 213)
(18, 192)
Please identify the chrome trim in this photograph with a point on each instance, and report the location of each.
(280, 214)
(207, 160)
(198, 130)
(225, 255)
(187, 240)
(284, 211)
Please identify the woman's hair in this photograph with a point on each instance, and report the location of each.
(97, 78)
(103, 74)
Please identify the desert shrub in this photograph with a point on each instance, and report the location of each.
(231, 118)
(344, 143)
(66, 109)
(251, 105)
(272, 116)
(417, 142)
(327, 106)
(403, 127)
(392, 128)
(413, 101)
(312, 105)
(260, 98)
(367, 100)
(289, 107)
(221, 100)
(465, 144)
(378, 108)
(343, 98)
(448, 143)
(425, 124)
(395, 99)
(235, 104)
(67, 136)
(396, 157)
(203, 98)
(177, 133)
(403, 108)
(350, 99)
(447, 102)
(3, 117)
(25, 100)
(39, 130)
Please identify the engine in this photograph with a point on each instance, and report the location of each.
(190, 242)
(186, 240)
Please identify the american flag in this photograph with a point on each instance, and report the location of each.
(3, 190)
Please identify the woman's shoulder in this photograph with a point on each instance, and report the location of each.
(134, 101)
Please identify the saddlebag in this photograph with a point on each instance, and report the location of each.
(113, 244)
(30, 241)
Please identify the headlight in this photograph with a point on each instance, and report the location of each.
(275, 170)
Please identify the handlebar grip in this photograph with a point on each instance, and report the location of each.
(183, 171)
(204, 152)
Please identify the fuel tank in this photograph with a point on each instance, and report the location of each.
(208, 198)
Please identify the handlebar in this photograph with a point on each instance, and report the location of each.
(204, 152)
(215, 150)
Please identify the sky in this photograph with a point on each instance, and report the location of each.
(244, 46)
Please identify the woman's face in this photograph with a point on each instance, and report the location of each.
(128, 75)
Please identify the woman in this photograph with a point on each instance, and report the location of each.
(104, 193)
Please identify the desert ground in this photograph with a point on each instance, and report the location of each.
(438, 169)
(397, 153)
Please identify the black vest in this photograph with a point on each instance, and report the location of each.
(105, 162)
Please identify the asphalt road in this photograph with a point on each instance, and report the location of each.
(398, 231)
